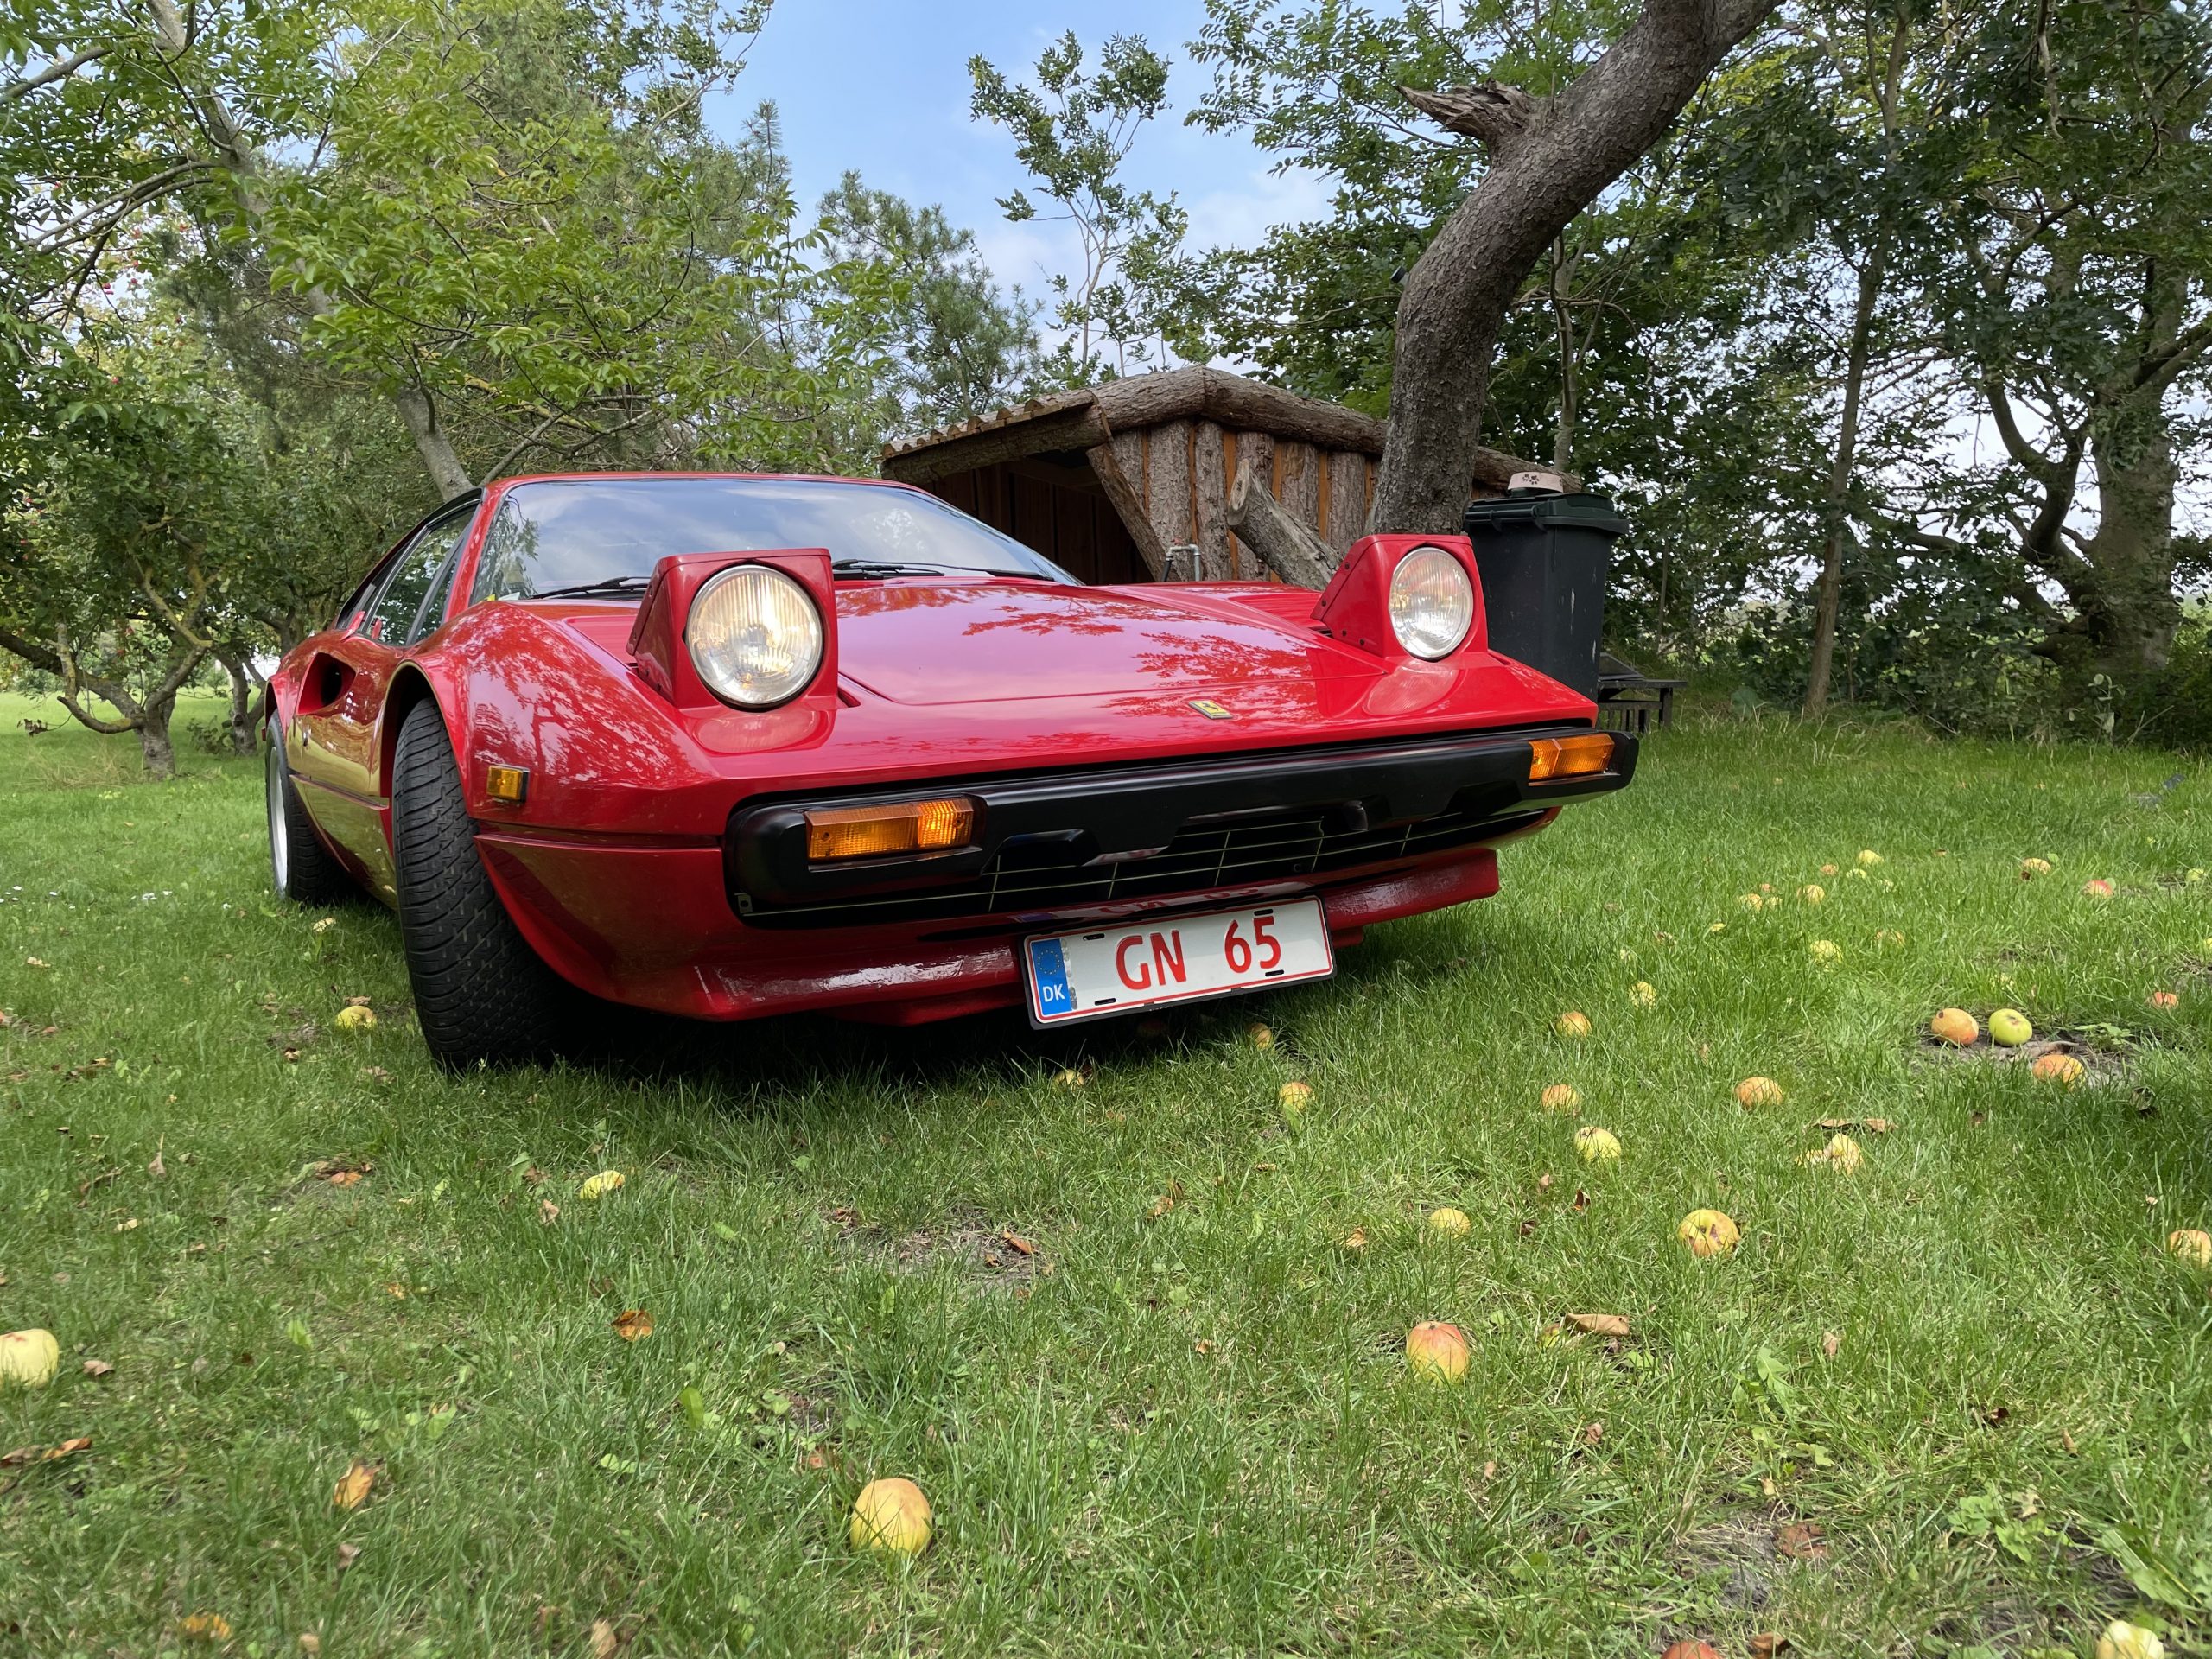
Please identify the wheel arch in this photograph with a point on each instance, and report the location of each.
(409, 686)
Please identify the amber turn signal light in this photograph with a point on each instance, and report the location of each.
(508, 784)
(873, 831)
(1552, 757)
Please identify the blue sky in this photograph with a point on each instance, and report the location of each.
(882, 86)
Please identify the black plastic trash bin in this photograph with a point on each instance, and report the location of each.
(1543, 559)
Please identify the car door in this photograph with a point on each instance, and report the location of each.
(334, 736)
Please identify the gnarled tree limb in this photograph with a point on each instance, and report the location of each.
(1285, 546)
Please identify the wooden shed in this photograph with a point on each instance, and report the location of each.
(1110, 480)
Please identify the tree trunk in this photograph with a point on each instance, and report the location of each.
(244, 685)
(420, 416)
(1563, 323)
(1549, 159)
(1827, 596)
(2129, 609)
(154, 736)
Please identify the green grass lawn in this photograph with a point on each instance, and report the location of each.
(1181, 1426)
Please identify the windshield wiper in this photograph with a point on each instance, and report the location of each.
(894, 567)
(606, 586)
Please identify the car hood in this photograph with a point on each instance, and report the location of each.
(935, 643)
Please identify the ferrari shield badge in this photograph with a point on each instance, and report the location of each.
(1211, 709)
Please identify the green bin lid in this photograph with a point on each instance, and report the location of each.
(1543, 511)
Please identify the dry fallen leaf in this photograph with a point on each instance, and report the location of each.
(67, 1447)
(1801, 1542)
(1203, 1345)
(205, 1627)
(1766, 1644)
(634, 1323)
(1544, 1182)
(1015, 1241)
(606, 1640)
(548, 1211)
(1355, 1239)
(1165, 1201)
(1592, 1432)
(157, 1169)
(19, 1456)
(97, 1368)
(1599, 1324)
(344, 1177)
(347, 1554)
(1829, 1343)
(352, 1488)
(310, 1643)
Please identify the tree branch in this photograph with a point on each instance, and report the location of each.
(1494, 114)
(60, 70)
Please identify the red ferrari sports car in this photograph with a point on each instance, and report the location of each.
(729, 746)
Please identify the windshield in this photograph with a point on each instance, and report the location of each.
(606, 534)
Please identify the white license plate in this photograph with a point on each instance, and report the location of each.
(1145, 960)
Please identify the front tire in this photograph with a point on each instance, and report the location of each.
(299, 864)
(481, 994)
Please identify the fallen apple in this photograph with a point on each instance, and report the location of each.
(353, 1017)
(1812, 893)
(2033, 868)
(2009, 1028)
(2122, 1640)
(2055, 1067)
(1563, 1097)
(1868, 858)
(1259, 1035)
(598, 1186)
(1598, 1146)
(2164, 1000)
(1752, 901)
(29, 1358)
(1841, 1154)
(1827, 869)
(1641, 995)
(1759, 1092)
(1707, 1232)
(1827, 952)
(1437, 1350)
(891, 1516)
(1888, 936)
(1294, 1098)
(1956, 1027)
(1691, 1650)
(2192, 1245)
(1448, 1222)
(2195, 878)
(2098, 888)
(1573, 1023)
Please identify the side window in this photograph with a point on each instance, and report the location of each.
(434, 602)
(392, 616)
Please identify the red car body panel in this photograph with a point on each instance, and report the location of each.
(615, 867)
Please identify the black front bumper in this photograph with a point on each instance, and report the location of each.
(1052, 841)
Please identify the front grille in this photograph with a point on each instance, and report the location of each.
(1035, 879)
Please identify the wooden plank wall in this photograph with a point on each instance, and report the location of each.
(1056, 509)
(1182, 471)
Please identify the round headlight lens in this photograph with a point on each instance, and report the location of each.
(1432, 602)
(755, 637)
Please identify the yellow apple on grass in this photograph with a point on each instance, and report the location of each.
(1868, 858)
(354, 1017)
(1294, 1098)
(2098, 888)
(891, 1516)
(1598, 1146)
(1708, 1233)
(1437, 1350)
(2190, 1245)
(598, 1186)
(1641, 995)
(1573, 1023)
(2009, 1028)
(1956, 1027)
(1753, 1092)
(29, 1358)
(2033, 868)
(2122, 1640)
(1813, 893)
(1841, 1154)
(1827, 952)
(1447, 1223)
(1562, 1097)
(2163, 1000)
(2055, 1067)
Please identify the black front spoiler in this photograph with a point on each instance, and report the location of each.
(1109, 814)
